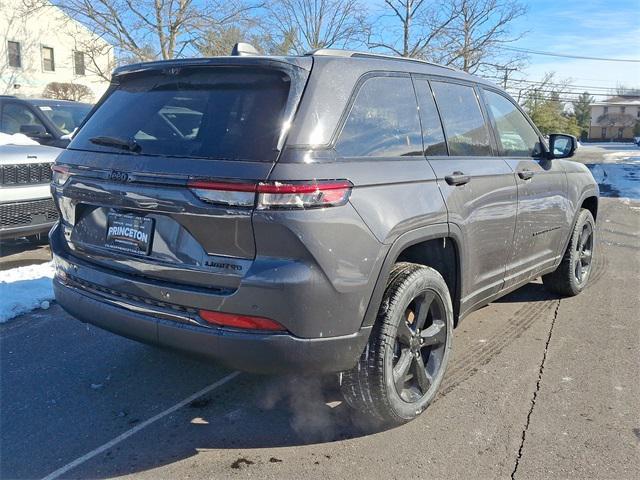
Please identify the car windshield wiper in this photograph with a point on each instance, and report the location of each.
(130, 145)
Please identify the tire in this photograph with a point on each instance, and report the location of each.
(388, 384)
(572, 275)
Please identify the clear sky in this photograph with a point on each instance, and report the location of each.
(594, 28)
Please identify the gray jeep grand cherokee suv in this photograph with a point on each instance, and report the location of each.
(334, 212)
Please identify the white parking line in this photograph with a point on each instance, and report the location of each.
(137, 428)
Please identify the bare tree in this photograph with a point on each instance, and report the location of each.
(421, 23)
(220, 41)
(303, 25)
(535, 92)
(140, 29)
(67, 91)
(475, 36)
(624, 91)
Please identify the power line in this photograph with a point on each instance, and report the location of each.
(550, 89)
(541, 95)
(566, 55)
(532, 82)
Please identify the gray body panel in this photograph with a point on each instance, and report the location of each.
(484, 210)
(543, 211)
(319, 272)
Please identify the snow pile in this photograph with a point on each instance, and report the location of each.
(24, 289)
(16, 139)
(629, 156)
(618, 180)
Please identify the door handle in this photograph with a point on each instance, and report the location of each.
(526, 174)
(457, 179)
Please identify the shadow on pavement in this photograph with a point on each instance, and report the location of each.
(531, 292)
(253, 412)
(104, 385)
(22, 252)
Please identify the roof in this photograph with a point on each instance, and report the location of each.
(331, 52)
(620, 100)
(386, 62)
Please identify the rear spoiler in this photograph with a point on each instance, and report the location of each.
(303, 63)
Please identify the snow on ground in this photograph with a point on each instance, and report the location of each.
(625, 156)
(618, 180)
(24, 289)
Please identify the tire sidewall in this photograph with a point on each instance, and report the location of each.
(584, 218)
(421, 280)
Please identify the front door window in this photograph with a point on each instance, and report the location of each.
(516, 136)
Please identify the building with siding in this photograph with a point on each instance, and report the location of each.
(41, 44)
(614, 118)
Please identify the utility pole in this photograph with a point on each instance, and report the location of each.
(507, 70)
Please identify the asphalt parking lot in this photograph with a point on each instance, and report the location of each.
(539, 387)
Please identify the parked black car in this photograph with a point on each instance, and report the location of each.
(46, 121)
(334, 212)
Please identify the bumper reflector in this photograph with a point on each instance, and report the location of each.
(240, 321)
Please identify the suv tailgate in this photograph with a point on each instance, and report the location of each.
(125, 202)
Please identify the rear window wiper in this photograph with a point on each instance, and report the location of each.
(125, 144)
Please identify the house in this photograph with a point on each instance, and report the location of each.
(40, 44)
(614, 118)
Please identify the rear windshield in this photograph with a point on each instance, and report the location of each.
(211, 113)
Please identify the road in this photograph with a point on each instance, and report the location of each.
(539, 387)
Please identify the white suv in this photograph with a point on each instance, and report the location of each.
(26, 206)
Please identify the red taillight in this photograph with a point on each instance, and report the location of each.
(303, 194)
(279, 195)
(60, 174)
(224, 193)
(240, 321)
(223, 186)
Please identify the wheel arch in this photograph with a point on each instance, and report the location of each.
(590, 202)
(437, 246)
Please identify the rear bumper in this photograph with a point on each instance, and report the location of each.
(251, 352)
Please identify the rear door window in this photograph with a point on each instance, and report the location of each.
(216, 113)
(432, 135)
(516, 135)
(464, 124)
(383, 121)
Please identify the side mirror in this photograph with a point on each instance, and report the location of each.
(561, 145)
(35, 131)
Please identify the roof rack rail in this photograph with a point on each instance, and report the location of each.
(331, 52)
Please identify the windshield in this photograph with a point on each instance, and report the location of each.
(66, 117)
(219, 113)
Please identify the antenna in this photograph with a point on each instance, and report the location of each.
(244, 50)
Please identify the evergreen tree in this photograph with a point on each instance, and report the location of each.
(582, 111)
(547, 112)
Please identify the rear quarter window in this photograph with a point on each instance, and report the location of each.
(210, 113)
(383, 121)
(464, 124)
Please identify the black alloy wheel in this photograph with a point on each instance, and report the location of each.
(584, 255)
(419, 346)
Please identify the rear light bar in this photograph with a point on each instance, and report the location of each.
(224, 193)
(274, 195)
(60, 174)
(240, 321)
